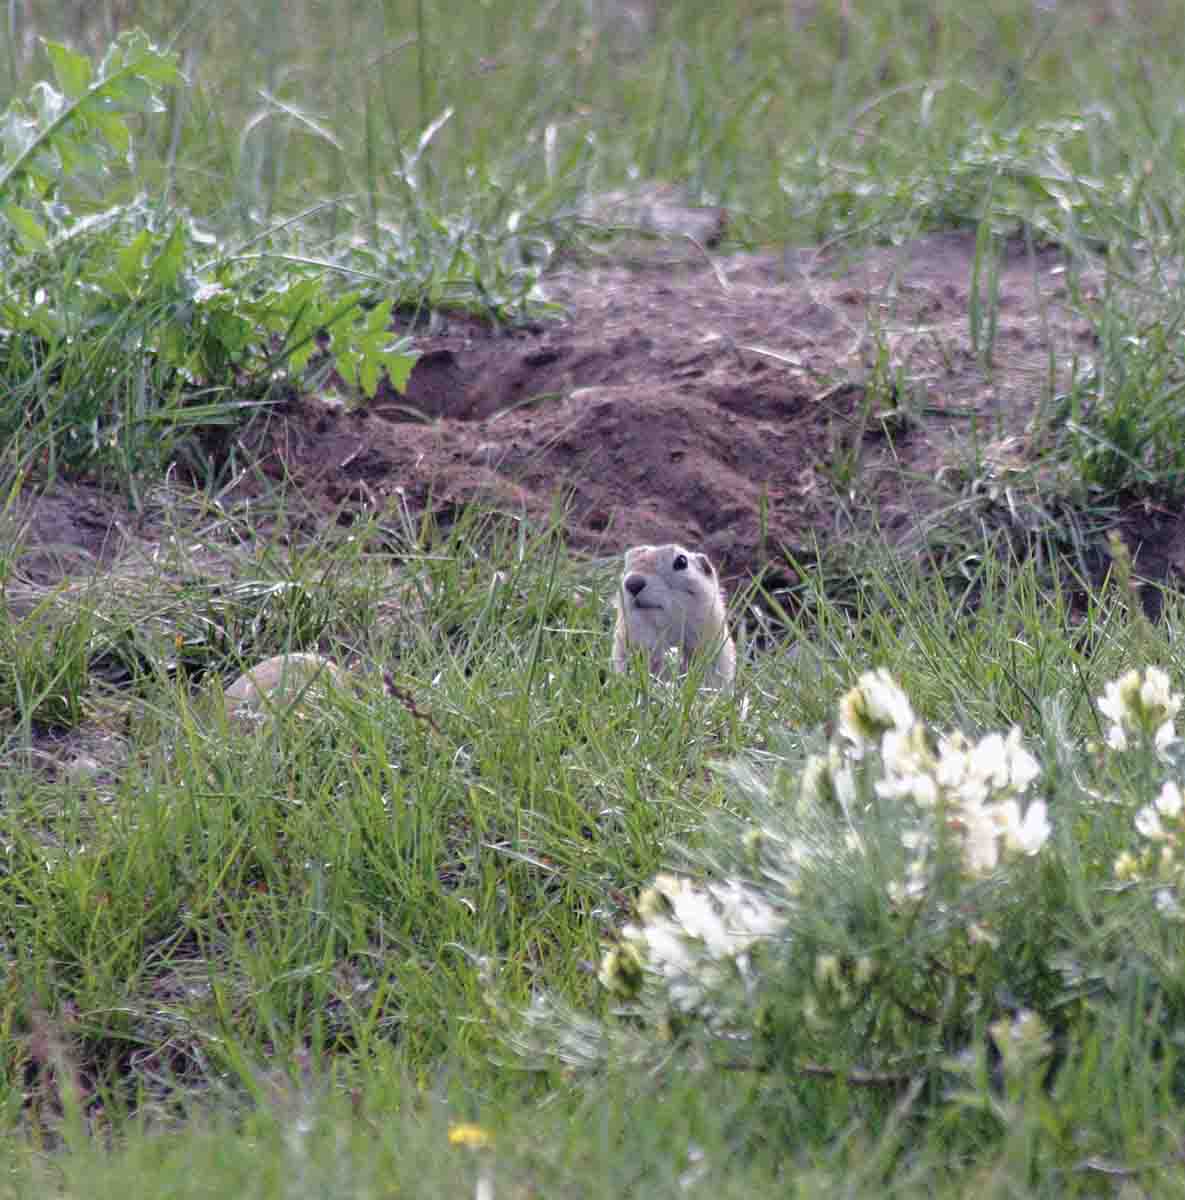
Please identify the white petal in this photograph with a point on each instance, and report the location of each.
(1169, 801)
(1034, 830)
(1148, 822)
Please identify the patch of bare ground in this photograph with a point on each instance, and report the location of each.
(750, 404)
(747, 404)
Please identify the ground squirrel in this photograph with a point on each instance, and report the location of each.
(670, 599)
(280, 681)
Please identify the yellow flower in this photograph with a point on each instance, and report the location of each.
(468, 1134)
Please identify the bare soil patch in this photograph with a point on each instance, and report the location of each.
(749, 404)
(745, 404)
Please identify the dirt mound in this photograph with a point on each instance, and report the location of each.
(744, 404)
(753, 405)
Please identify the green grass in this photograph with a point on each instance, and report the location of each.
(316, 937)
(284, 960)
(905, 114)
(304, 173)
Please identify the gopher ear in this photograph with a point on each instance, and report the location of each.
(705, 564)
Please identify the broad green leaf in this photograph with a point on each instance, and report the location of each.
(149, 62)
(31, 232)
(369, 369)
(341, 321)
(69, 155)
(231, 331)
(72, 71)
(112, 127)
(172, 343)
(169, 262)
(399, 368)
(129, 93)
(125, 49)
(160, 67)
(129, 263)
(299, 357)
(290, 304)
(378, 320)
(78, 160)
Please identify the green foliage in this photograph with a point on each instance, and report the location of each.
(897, 916)
(119, 333)
(45, 666)
(1119, 422)
(254, 923)
(66, 142)
(287, 951)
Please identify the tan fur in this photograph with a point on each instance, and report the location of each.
(281, 680)
(669, 599)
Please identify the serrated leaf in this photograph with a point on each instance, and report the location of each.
(160, 67)
(293, 301)
(129, 46)
(30, 231)
(141, 55)
(399, 368)
(166, 268)
(368, 374)
(72, 71)
(343, 317)
(123, 50)
(379, 318)
(129, 262)
(129, 93)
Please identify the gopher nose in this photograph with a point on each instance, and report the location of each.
(634, 584)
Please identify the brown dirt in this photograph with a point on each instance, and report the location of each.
(733, 403)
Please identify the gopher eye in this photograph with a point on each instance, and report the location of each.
(680, 563)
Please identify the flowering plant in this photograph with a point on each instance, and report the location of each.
(887, 863)
(895, 906)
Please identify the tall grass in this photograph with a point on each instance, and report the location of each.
(809, 118)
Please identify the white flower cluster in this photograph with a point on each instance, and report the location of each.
(872, 709)
(975, 789)
(1141, 708)
(1162, 825)
(695, 937)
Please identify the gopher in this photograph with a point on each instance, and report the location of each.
(670, 599)
(280, 681)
